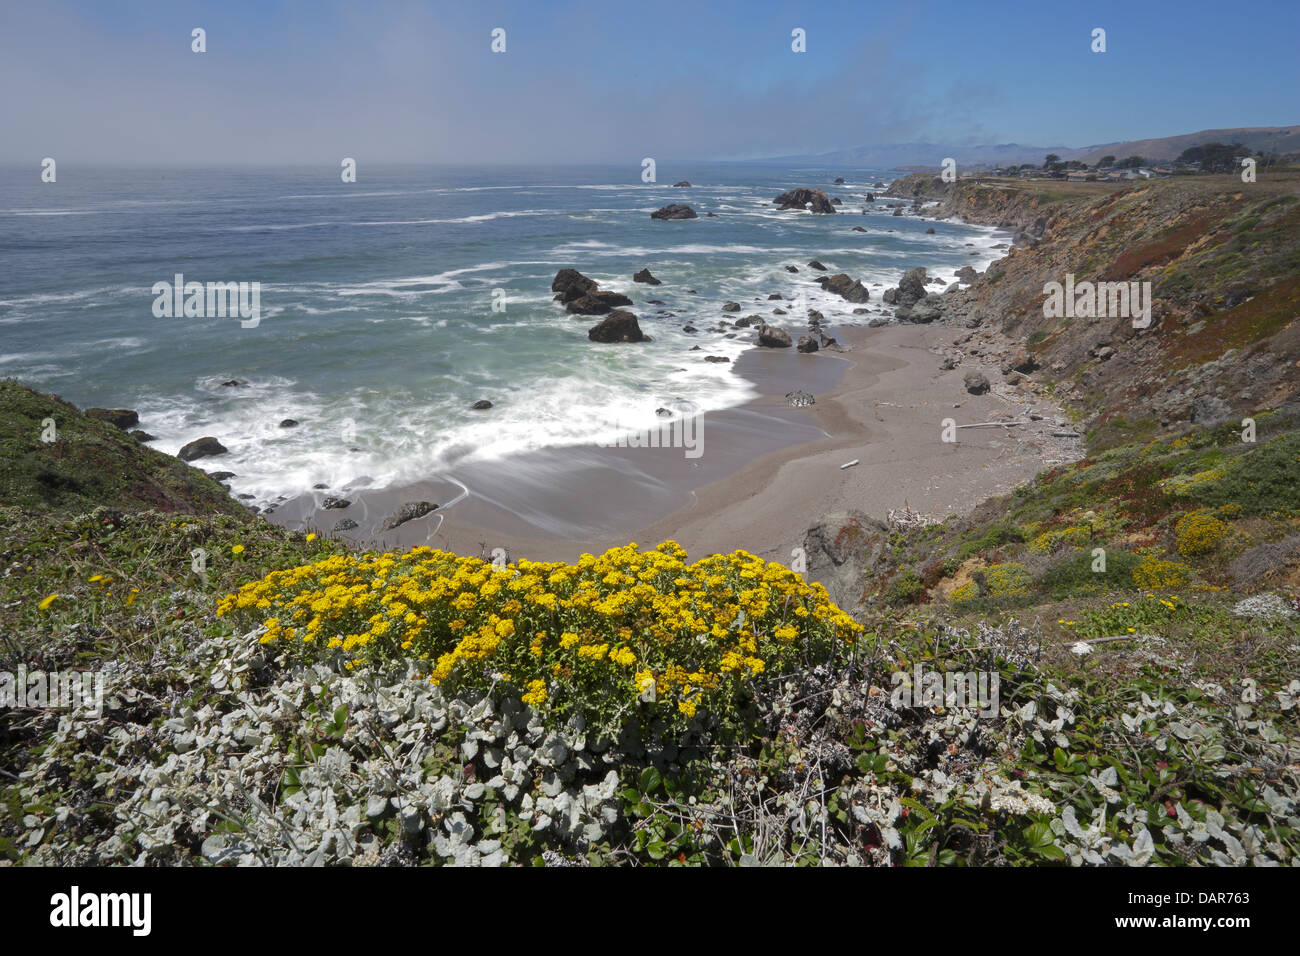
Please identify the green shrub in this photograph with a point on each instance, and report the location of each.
(904, 588)
(1074, 574)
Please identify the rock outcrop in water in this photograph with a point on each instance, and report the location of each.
(618, 327)
(201, 448)
(597, 303)
(582, 296)
(813, 199)
(845, 287)
(570, 284)
(645, 276)
(675, 211)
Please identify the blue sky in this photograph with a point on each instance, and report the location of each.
(615, 81)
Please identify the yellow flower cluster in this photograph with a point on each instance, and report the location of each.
(605, 629)
(1190, 484)
(1049, 541)
(1156, 574)
(1198, 533)
(1007, 579)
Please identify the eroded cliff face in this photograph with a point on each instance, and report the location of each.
(1005, 203)
(1219, 258)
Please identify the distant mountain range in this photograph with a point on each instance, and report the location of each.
(1281, 139)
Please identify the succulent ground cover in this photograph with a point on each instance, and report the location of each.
(217, 746)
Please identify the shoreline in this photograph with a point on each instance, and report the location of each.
(766, 472)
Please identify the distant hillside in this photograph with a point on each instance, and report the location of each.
(1282, 139)
(928, 155)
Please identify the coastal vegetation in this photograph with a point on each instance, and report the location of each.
(274, 696)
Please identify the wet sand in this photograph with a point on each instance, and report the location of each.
(759, 475)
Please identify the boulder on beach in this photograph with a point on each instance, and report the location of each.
(344, 524)
(800, 399)
(674, 211)
(769, 336)
(807, 344)
(481, 405)
(976, 383)
(123, 418)
(1021, 361)
(201, 448)
(597, 303)
(645, 276)
(815, 199)
(618, 326)
(967, 274)
(923, 312)
(408, 512)
(335, 503)
(890, 297)
(748, 320)
(911, 288)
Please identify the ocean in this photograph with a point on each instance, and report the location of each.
(377, 326)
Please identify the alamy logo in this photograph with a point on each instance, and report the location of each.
(928, 688)
(53, 690)
(684, 430)
(1098, 300)
(133, 910)
(215, 300)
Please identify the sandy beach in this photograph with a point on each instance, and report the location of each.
(761, 474)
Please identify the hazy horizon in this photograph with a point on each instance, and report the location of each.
(302, 84)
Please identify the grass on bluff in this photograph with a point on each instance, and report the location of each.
(1185, 511)
(100, 535)
(90, 463)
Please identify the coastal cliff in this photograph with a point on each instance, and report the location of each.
(1223, 262)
